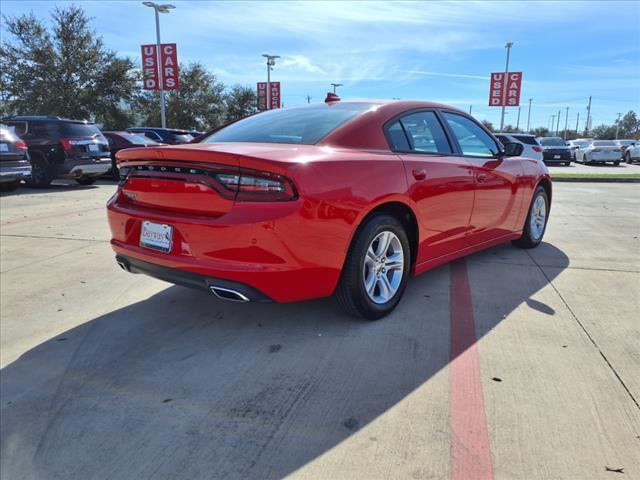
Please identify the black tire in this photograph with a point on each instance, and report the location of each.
(41, 173)
(350, 293)
(527, 240)
(9, 186)
(115, 173)
(85, 180)
(615, 164)
(627, 157)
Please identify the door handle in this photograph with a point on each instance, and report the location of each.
(481, 177)
(419, 174)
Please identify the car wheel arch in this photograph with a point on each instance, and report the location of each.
(403, 213)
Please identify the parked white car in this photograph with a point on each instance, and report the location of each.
(623, 143)
(632, 153)
(531, 147)
(599, 151)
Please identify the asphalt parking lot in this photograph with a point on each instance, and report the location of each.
(511, 364)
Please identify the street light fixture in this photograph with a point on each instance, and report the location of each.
(335, 85)
(164, 8)
(271, 61)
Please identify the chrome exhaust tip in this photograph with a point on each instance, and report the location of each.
(228, 294)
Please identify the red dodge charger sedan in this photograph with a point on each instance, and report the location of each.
(345, 198)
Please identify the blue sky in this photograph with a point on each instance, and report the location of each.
(441, 51)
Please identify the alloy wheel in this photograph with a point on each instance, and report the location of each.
(383, 267)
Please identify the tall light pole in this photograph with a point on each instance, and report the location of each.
(271, 61)
(335, 85)
(470, 109)
(577, 122)
(553, 120)
(586, 125)
(558, 123)
(504, 90)
(164, 8)
(529, 114)
(618, 124)
(518, 121)
(566, 123)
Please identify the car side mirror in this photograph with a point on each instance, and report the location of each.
(512, 149)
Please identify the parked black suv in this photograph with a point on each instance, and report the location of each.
(62, 148)
(171, 136)
(14, 160)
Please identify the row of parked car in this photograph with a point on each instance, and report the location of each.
(39, 149)
(556, 151)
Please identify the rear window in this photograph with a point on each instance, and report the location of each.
(526, 139)
(79, 129)
(297, 125)
(19, 128)
(604, 143)
(552, 142)
(182, 137)
(139, 139)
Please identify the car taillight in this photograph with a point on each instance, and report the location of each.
(21, 145)
(68, 143)
(536, 149)
(251, 185)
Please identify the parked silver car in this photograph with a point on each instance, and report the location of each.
(632, 153)
(599, 151)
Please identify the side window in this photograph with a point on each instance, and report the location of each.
(397, 138)
(38, 129)
(425, 133)
(19, 128)
(473, 140)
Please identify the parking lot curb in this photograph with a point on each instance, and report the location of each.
(595, 179)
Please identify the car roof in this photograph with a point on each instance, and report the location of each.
(157, 129)
(43, 118)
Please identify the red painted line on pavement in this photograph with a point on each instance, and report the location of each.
(47, 217)
(470, 448)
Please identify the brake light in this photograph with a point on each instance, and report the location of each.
(250, 185)
(68, 143)
(536, 149)
(21, 145)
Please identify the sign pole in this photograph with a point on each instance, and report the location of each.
(504, 90)
(163, 114)
(529, 114)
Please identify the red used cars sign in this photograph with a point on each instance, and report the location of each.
(169, 59)
(149, 67)
(505, 89)
(169, 62)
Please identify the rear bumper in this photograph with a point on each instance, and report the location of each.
(189, 279)
(275, 250)
(84, 166)
(563, 156)
(604, 157)
(9, 173)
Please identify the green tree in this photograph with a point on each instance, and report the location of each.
(64, 70)
(540, 132)
(629, 126)
(197, 105)
(488, 125)
(511, 129)
(603, 132)
(239, 102)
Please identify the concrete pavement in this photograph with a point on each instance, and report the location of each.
(111, 375)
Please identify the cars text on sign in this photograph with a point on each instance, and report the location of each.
(505, 89)
(169, 59)
(169, 62)
(262, 95)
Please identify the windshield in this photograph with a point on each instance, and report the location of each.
(604, 143)
(552, 142)
(298, 125)
(80, 129)
(139, 139)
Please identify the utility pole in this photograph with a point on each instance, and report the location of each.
(505, 81)
(529, 114)
(586, 125)
(518, 121)
(271, 61)
(553, 120)
(577, 122)
(470, 108)
(618, 124)
(558, 124)
(335, 85)
(566, 122)
(308, 98)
